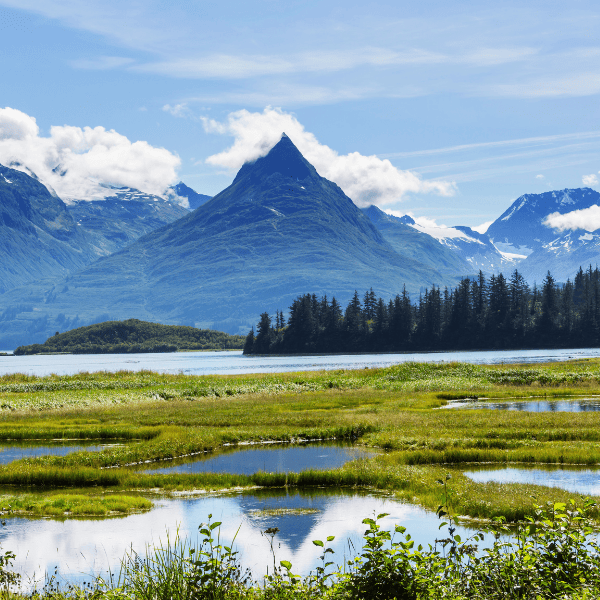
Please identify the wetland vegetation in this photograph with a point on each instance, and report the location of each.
(396, 409)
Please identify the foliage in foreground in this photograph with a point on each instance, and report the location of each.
(551, 555)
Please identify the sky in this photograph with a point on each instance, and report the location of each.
(444, 110)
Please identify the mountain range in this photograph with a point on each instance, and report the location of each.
(278, 231)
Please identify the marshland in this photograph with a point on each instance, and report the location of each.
(421, 455)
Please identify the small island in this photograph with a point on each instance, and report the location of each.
(133, 336)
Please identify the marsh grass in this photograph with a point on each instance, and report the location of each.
(279, 512)
(59, 505)
(168, 416)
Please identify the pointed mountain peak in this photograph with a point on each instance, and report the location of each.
(283, 158)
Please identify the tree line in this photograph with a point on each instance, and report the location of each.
(480, 313)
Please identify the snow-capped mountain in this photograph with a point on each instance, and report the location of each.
(563, 256)
(123, 216)
(521, 228)
(194, 198)
(408, 241)
(476, 249)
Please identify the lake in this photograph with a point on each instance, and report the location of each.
(235, 363)
(82, 548)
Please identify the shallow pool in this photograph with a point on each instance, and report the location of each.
(559, 405)
(579, 480)
(270, 458)
(10, 451)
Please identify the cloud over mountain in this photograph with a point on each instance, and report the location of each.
(76, 161)
(366, 179)
(585, 218)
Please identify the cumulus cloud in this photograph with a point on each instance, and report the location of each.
(365, 179)
(483, 227)
(79, 162)
(539, 177)
(585, 218)
(590, 179)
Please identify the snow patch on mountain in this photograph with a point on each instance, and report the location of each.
(443, 234)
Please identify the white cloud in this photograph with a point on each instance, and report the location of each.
(76, 161)
(365, 179)
(586, 218)
(178, 110)
(539, 177)
(590, 179)
(483, 227)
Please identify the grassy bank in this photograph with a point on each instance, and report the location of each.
(159, 416)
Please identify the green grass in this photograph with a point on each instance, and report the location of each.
(59, 505)
(160, 416)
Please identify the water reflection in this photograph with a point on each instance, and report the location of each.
(579, 480)
(83, 547)
(565, 405)
(280, 458)
(16, 450)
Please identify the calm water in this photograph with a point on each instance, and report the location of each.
(14, 451)
(271, 458)
(573, 479)
(575, 405)
(232, 363)
(83, 547)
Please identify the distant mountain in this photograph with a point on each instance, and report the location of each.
(563, 256)
(38, 236)
(279, 230)
(409, 241)
(462, 250)
(194, 198)
(520, 229)
(123, 217)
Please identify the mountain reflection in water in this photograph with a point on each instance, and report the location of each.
(83, 547)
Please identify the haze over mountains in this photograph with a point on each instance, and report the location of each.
(278, 231)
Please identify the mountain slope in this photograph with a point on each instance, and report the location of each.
(472, 251)
(563, 256)
(122, 218)
(408, 241)
(278, 231)
(38, 236)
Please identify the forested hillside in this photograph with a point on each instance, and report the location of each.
(133, 336)
(479, 313)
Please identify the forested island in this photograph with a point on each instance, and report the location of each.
(480, 313)
(132, 336)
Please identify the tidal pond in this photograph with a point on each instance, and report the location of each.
(271, 458)
(10, 451)
(84, 548)
(590, 404)
(579, 480)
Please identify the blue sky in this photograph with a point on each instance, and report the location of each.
(481, 102)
